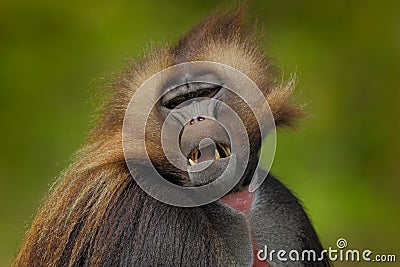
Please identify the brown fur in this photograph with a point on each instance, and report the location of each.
(96, 214)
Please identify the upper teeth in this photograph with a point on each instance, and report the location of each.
(194, 158)
(217, 156)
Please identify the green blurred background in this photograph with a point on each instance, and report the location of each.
(343, 161)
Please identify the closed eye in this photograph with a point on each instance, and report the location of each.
(204, 92)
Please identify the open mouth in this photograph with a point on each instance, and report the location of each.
(209, 153)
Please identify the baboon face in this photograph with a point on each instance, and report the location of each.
(201, 125)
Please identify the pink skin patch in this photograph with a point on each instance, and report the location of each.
(242, 202)
(239, 201)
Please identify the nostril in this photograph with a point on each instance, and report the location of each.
(193, 121)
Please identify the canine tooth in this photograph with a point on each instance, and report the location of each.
(228, 151)
(191, 162)
(217, 156)
(195, 154)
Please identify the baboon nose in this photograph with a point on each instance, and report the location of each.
(193, 121)
(201, 128)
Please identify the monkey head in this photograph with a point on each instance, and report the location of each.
(200, 120)
(209, 130)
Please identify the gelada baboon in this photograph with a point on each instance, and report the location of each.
(98, 215)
